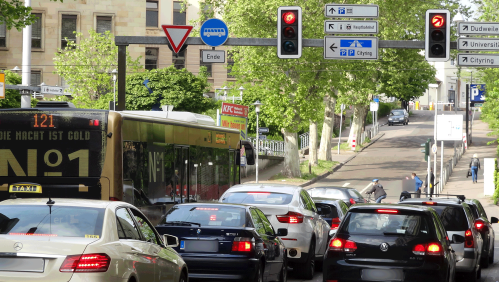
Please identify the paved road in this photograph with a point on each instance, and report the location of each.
(392, 159)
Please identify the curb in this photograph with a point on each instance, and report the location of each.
(340, 165)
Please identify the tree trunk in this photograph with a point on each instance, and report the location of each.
(359, 114)
(312, 147)
(291, 157)
(327, 130)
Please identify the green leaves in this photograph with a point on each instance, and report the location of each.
(15, 15)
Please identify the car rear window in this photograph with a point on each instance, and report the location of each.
(326, 193)
(264, 198)
(452, 217)
(332, 214)
(60, 221)
(374, 223)
(354, 194)
(474, 211)
(207, 215)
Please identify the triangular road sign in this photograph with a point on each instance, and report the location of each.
(177, 35)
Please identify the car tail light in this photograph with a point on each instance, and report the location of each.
(335, 223)
(433, 249)
(479, 224)
(258, 193)
(430, 203)
(468, 239)
(341, 245)
(352, 201)
(290, 217)
(387, 211)
(86, 263)
(113, 199)
(242, 244)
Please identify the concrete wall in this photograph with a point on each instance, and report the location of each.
(263, 162)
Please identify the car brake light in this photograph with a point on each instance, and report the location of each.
(429, 249)
(213, 217)
(242, 244)
(419, 250)
(33, 234)
(86, 263)
(352, 201)
(335, 223)
(341, 245)
(430, 203)
(336, 244)
(350, 246)
(207, 209)
(468, 239)
(256, 193)
(434, 249)
(290, 217)
(387, 211)
(113, 199)
(479, 224)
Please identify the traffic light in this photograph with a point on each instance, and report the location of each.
(289, 43)
(437, 36)
(426, 149)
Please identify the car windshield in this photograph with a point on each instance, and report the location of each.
(264, 198)
(453, 218)
(373, 223)
(398, 113)
(60, 221)
(206, 215)
(329, 193)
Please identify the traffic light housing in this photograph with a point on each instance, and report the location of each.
(426, 149)
(437, 36)
(289, 29)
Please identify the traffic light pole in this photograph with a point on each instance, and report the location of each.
(467, 111)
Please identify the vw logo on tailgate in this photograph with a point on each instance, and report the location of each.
(384, 247)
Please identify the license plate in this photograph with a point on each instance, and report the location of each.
(201, 246)
(382, 274)
(22, 264)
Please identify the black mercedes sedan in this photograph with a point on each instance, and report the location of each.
(383, 242)
(226, 242)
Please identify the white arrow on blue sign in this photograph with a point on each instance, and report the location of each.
(214, 32)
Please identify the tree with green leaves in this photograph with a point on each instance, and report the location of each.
(14, 14)
(12, 97)
(87, 66)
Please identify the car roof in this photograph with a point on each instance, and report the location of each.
(62, 202)
(388, 206)
(266, 187)
(447, 201)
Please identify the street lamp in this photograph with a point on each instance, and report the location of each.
(257, 105)
(241, 89)
(16, 69)
(114, 72)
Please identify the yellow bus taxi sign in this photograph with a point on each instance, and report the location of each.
(25, 188)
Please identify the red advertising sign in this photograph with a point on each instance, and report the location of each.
(235, 110)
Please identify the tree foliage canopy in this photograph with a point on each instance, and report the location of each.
(14, 14)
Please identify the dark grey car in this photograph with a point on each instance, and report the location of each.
(349, 195)
(398, 116)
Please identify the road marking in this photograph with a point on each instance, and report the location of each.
(345, 185)
(369, 185)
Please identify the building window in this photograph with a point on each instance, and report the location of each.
(179, 60)
(104, 24)
(152, 14)
(151, 58)
(3, 35)
(230, 64)
(36, 78)
(178, 17)
(68, 29)
(209, 66)
(36, 32)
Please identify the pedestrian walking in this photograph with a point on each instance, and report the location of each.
(475, 166)
(418, 183)
(429, 188)
(377, 189)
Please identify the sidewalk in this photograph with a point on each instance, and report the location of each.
(459, 184)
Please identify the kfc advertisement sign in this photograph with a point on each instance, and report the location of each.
(234, 110)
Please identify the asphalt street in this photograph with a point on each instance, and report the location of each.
(391, 159)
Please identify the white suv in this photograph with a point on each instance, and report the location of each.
(288, 207)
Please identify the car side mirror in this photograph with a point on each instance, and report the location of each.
(170, 240)
(457, 239)
(494, 220)
(282, 232)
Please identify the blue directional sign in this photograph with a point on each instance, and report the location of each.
(214, 32)
(356, 43)
(350, 48)
(477, 94)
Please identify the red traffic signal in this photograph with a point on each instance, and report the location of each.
(289, 17)
(289, 28)
(437, 35)
(437, 21)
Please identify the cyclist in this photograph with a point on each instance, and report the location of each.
(377, 189)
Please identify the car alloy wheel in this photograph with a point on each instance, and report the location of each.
(308, 269)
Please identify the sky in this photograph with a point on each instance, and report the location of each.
(473, 7)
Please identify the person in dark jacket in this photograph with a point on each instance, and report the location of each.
(432, 183)
(475, 166)
(377, 189)
(418, 183)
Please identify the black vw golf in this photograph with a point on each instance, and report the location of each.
(390, 243)
(226, 242)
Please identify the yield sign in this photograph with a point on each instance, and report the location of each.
(177, 35)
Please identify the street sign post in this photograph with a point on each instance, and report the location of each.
(350, 48)
(263, 130)
(351, 27)
(52, 90)
(434, 148)
(351, 11)
(478, 44)
(262, 137)
(478, 92)
(478, 28)
(213, 56)
(449, 127)
(214, 32)
(478, 60)
(373, 106)
(177, 35)
(376, 99)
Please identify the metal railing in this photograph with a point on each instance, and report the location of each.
(222, 97)
(268, 147)
(373, 131)
(304, 140)
(448, 168)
